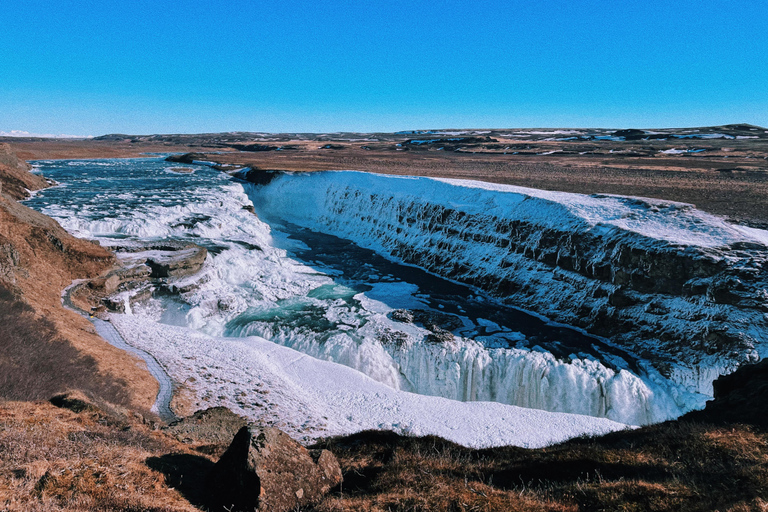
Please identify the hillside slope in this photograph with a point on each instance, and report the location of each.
(38, 259)
(15, 178)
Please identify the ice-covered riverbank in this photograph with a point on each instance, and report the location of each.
(682, 287)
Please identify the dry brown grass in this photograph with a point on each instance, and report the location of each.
(58, 460)
(103, 458)
(36, 362)
(37, 260)
(673, 466)
(695, 179)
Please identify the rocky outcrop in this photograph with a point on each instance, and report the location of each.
(9, 159)
(35, 250)
(15, 178)
(254, 147)
(144, 268)
(214, 426)
(269, 471)
(739, 398)
(178, 263)
(187, 158)
(438, 324)
(257, 176)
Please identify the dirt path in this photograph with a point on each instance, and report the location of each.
(108, 332)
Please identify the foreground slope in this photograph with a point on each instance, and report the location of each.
(92, 456)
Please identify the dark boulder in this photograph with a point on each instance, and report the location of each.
(187, 158)
(269, 471)
(740, 397)
(258, 176)
(254, 147)
(630, 134)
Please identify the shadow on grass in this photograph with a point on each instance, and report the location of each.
(186, 473)
(36, 362)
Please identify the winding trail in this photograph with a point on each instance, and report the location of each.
(106, 330)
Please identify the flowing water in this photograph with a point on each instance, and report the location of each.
(334, 300)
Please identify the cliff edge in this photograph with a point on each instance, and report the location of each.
(15, 179)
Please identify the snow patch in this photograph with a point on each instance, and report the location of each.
(312, 399)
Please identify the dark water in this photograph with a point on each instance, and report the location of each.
(360, 269)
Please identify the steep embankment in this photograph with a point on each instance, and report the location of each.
(674, 285)
(38, 259)
(15, 178)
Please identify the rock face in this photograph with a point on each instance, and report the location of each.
(145, 267)
(258, 176)
(268, 470)
(15, 178)
(739, 398)
(35, 250)
(181, 263)
(664, 281)
(9, 159)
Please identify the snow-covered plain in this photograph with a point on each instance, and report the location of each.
(311, 399)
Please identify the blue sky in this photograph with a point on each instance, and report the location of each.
(93, 67)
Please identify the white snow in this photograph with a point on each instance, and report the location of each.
(675, 151)
(464, 224)
(312, 399)
(322, 199)
(706, 136)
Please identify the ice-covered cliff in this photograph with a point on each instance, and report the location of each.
(674, 285)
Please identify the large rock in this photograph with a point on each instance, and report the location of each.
(188, 158)
(266, 469)
(217, 425)
(739, 398)
(258, 176)
(180, 263)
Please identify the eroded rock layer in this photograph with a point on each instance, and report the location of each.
(674, 285)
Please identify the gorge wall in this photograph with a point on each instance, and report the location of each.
(676, 286)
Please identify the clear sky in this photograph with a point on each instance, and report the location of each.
(89, 67)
